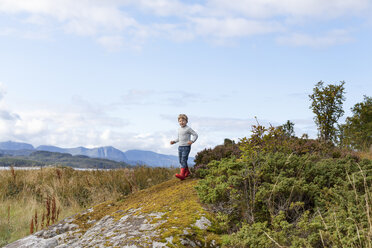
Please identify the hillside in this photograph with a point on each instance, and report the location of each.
(166, 215)
(11, 145)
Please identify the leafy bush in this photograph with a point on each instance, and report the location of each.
(272, 139)
(273, 196)
(204, 157)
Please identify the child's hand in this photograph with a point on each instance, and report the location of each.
(189, 142)
(172, 142)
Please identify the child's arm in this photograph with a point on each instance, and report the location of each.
(194, 135)
(175, 141)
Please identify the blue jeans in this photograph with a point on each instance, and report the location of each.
(183, 155)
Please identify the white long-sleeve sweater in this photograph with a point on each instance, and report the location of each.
(184, 136)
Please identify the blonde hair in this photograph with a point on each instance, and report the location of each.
(183, 116)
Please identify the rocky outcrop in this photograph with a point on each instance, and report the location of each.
(166, 215)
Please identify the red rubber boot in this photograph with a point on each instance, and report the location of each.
(182, 174)
(187, 172)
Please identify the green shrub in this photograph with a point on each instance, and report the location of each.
(268, 140)
(204, 157)
(291, 194)
(272, 196)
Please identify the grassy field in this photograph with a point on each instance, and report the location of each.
(32, 199)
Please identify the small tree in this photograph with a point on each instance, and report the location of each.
(327, 107)
(288, 128)
(357, 131)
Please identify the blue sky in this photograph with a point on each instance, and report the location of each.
(118, 72)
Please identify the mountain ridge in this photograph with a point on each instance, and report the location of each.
(132, 157)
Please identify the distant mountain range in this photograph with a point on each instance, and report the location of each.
(45, 158)
(132, 157)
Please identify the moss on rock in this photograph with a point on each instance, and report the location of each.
(166, 215)
(172, 209)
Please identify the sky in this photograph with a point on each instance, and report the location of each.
(118, 72)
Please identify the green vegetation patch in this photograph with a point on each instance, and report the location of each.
(176, 200)
(272, 197)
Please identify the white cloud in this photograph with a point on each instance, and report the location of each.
(86, 18)
(68, 129)
(331, 38)
(233, 27)
(118, 24)
(33, 126)
(85, 13)
(79, 123)
(169, 7)
(110, 12)
(300, 8)
(5, 115)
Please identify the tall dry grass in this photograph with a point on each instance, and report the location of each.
(366, 154)
(32, 199)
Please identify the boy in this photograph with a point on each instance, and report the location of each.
(184, 133)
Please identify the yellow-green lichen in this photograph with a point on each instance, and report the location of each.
(176, 200)
(108, 244)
